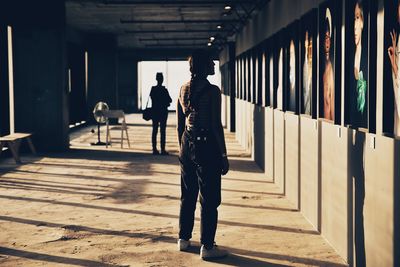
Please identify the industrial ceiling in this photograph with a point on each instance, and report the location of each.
(163, 23)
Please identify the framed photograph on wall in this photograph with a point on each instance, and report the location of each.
(260, 75)
(270, 73)
(292, 67)
(255, 76)
(243, 78)
(359, 111)
(264, 74)
(308, 63)
(279, 69)
(330, 60)
(391, 69)
(249, 76)
(246, 76)
(237, 77)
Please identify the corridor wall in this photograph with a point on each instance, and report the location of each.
(310, 185)
(347, 189)
(292, 159)
(269, 143)
(244, 122)
(40, 71)
(279, 150)
(259, 136)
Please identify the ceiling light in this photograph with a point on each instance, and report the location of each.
(219, 27)
(212, 38)
(227, 7)
(209, 44)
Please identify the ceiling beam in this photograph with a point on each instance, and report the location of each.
(175, 45)
(177, 31)
(194, 21)
(205, 38)
(175, 2)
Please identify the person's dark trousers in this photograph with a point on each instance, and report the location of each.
(200, 172)
(159, 119)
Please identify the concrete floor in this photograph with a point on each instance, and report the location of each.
(94, 206)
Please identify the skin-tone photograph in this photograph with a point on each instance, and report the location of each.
(271, 81)
(280, 80)
(307, 73)
(292, 75)
(327, 78)
(359, 75)
(393, 53)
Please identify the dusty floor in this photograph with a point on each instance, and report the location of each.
(110, 207)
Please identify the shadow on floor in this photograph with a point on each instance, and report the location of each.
(51, 258)
(195, 249)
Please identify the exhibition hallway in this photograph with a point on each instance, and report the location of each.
(93, 206)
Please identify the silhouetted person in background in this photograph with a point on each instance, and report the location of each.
(202, 154)
(160, 100)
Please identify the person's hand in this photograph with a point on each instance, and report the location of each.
(225, 165)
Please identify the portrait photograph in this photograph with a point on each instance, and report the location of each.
(279, 59)
(308, 63)
(357, 67)
(260, 75)
(391, 72)
(329, 60)
(269, 73)
(245, 77)
(292, 66)
(249, 86)
(270, 81)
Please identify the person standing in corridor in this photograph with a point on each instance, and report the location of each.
(202, 154)
(160, 100)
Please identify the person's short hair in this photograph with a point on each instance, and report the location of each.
(159, 75)
(199, 60)
(360, 6)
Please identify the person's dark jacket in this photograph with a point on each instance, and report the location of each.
(160, 99)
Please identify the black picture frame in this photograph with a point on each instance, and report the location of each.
(308, 59)
(292, 66)
(249, 76)
(330, 21)
(269, 73)
(279, 70)
(390, 118)
(360, 92)
(260, 76)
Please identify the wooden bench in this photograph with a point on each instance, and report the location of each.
(13, 142)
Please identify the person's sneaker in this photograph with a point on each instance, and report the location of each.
(164, 153)
(155, 152)
(213, 253)
(183, 244)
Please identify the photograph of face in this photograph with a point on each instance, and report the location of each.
(357, 91)
(393, 54)
(307, 73)
(328, 81)
(271, 80)
(292, 76)
(279, 90)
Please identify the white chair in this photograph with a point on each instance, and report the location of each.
(120, 116)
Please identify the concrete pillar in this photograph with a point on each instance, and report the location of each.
(102, 72)
(127, 83)
(4, 91)
(39, 55)
(77, 86)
